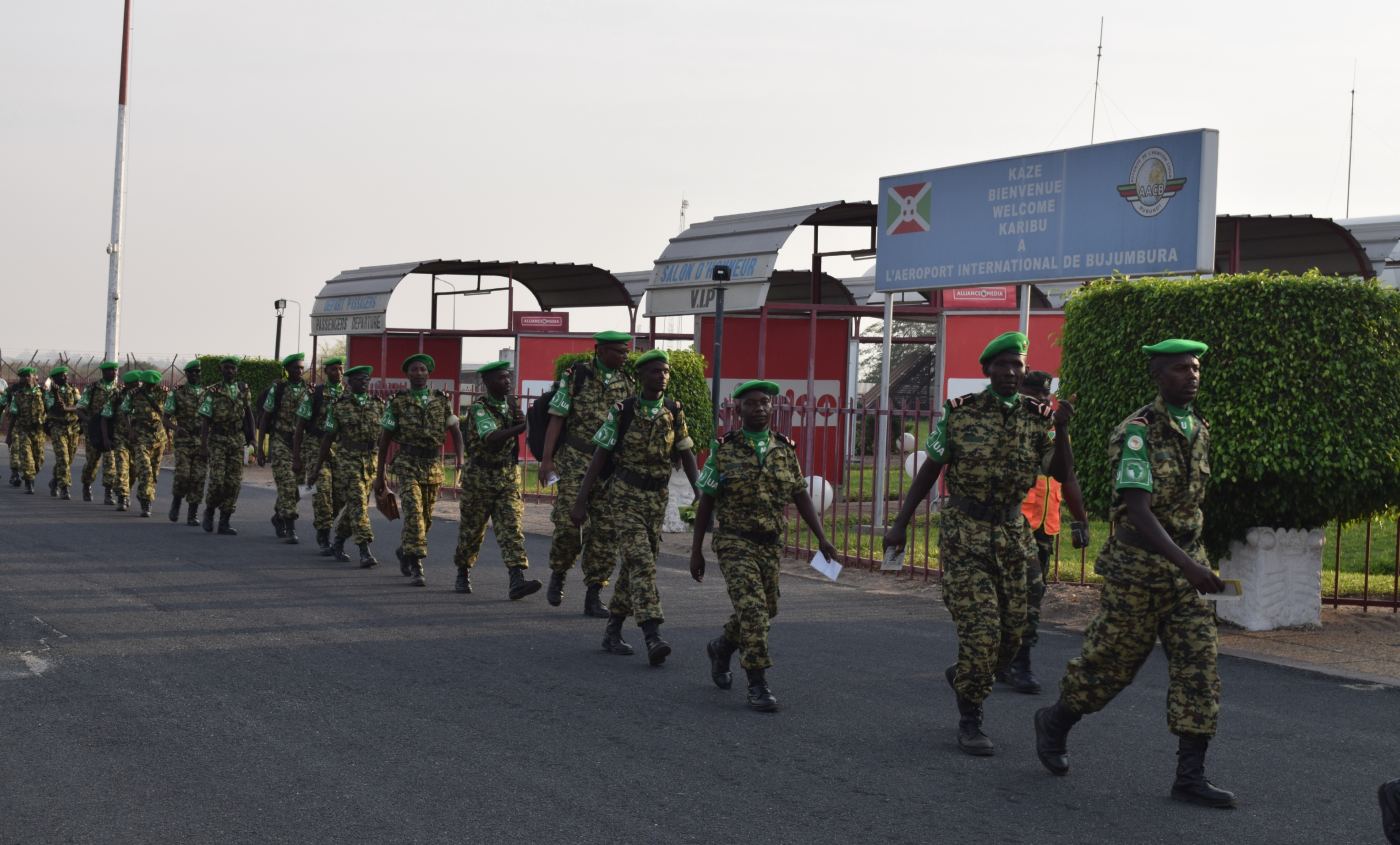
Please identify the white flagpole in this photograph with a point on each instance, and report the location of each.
(114, 246)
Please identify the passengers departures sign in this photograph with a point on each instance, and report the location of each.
(1140, 206)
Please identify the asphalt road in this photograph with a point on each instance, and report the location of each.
(158, 684)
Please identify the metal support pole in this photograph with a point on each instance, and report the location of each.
(114, 246)
(1026, 310)
(277, 344)
(718, 360)
(882, 437)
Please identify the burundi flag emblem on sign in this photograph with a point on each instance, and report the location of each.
(907, 208)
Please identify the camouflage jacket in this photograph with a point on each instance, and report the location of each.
(117, 410)
(26, 408)
(182, 406)
(1149, 451)
(143, 409)
(651, 441)
(750, 494)
(353, 420)
(227, 406)
(419, 421)
(488, 415)
(96, 395)
(993, 452)
(54, 401)
(284, 413)
(585, 411)
(314, 412)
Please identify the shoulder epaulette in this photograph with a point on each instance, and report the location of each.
(399, 393)
(961, 400)
(441, 393)
(783, 438)
(732, 436)
(1035, 406)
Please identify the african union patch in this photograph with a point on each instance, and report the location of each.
(1135, 443)
(1133, 472)
(1152, 182)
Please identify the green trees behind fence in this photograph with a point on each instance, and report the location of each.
(1301, 389)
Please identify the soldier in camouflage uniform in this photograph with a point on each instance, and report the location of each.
(61, 418)
(226, 428)
(747, 483)
(416, 419)
(15, 479)
(146, 423)
(182, 420)
(640, 440)
(311, 416)
(1154, 569)
(994, 444)
(579, 407)
(350, 441)
(491, 487)
(278, 427)
(90, 404)
(25, 434)
(117, 434)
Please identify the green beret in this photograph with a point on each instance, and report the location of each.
(294, 358)
(58, 371)
(1013, 341)
(769, 387)
(612, 337)
(333, 361)
(1176, 346)
(653, 355)
(229, 359)
(366, 369)
(108, 365)
(151, 377)
(492, 367)
(192, 365)
(421, 356)
(25, 371)
(131, 376)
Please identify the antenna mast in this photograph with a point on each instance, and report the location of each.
(1098, 62)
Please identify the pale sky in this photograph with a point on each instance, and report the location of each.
(274, 144)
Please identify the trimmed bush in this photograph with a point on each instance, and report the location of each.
(1299, 388)
(688, 387)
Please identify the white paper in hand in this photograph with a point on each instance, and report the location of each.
(1233, 591)
(551, 479)
(894, 560)
(829, 568)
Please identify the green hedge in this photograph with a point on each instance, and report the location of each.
(1299, 388)
(688, 386)
(257, 373)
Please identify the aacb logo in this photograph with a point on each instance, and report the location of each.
(907, 208)
(1153, 184)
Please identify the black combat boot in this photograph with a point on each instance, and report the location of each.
(208, 523)
(122, 501)
(338, 550)
(657, 649)
(63, 493)
(760, 697)
(224, 528)
(593, 604)
(192, 518)
(367, 558)
(419, 579)
(1191, 785)
(1052, 726)
(29, 486)
(464, 581)
(555, 595)
(145, 507)
(612, 637)
(323, 541)
(1389, 796)
(14, 478)
(520, 587)
(175, 509)
(280, 526)
(107, 496)
(291, 524)
(53, 488)
(720, 650)
(970, 737)
(87, 492)
(1018, 675)
(405, 562)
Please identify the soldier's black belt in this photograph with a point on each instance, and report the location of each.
(584, 446)
(984, 511)
(641, 482)
(1129, 536)
(499, 463)
(356, 445)
(762, 538)
(429, 452)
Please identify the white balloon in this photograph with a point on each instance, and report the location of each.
(906, 442)
(914, 462)
(822, 493)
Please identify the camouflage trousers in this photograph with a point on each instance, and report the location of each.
(323, 509)
(191, 470)
(494, 495)
(1120, 638)
(121, 469)
(280, 457)
(65, 449)
(225, 472)
(751, 576)
(1036, 576)
(984, 587)
(632, 518)
(417, 480)
(351, 479)
(598, 552)
(30, 447)
(95, 461)
(145, 454)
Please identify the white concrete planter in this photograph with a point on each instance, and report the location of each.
(1280, 570)
(679, 494)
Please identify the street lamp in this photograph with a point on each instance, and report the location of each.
(281, 306)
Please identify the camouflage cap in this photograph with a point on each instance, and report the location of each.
(1176, 346)
(1007, 341)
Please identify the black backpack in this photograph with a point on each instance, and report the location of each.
(537, 418)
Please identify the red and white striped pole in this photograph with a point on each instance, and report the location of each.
(114, 247)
